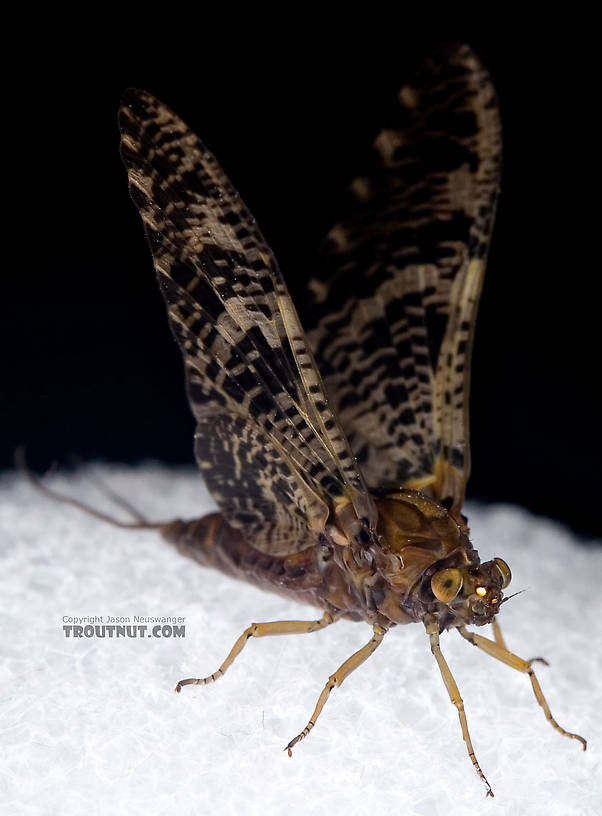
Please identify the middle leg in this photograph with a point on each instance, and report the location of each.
(337, 678)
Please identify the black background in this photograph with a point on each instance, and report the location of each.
(90, 366)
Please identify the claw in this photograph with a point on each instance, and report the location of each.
(538, 660)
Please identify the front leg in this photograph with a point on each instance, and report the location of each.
(499, 639)
(432, 630)
(499, 651)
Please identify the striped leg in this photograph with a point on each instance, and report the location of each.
(432, 631)
(495, 649)
(260, 630)
(336, 679)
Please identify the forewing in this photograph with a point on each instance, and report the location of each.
(267, 442)
(394, 306)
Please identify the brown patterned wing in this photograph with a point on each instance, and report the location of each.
(394, 307)
(270, 449)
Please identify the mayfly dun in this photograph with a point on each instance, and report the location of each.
(338, 452)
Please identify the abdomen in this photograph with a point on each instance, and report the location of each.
(211, 542)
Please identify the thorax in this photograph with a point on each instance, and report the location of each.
(415, 537)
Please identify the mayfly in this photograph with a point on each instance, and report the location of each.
(338, 456)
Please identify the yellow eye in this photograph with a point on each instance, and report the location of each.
(481, 591)
(504, 570)
(446, 584)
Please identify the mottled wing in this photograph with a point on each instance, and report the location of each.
(394, 307)
(270, 449)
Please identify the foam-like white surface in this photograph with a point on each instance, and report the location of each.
(93, 726)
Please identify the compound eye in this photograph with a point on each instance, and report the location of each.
(504, 570)
(446, 584)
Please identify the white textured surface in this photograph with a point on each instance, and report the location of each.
(93, 726)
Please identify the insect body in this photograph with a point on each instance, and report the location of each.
(338, 458)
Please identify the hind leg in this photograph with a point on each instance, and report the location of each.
(260, 630)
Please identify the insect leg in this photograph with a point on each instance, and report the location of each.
(261, 630)
(497, 634)
(432, 631)
(337, 678)
(501, 653)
